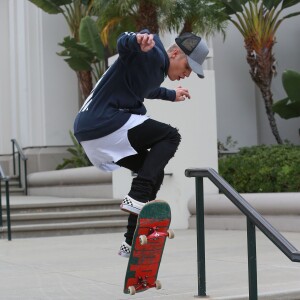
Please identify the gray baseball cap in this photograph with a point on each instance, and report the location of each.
(196, 50)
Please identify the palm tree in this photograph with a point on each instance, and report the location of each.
(258, 21)
(131, 15)
(73, 11)
(199, 16)
(112, 17)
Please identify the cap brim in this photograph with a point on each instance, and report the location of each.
(197, 68)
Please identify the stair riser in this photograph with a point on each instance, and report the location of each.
(67, 232)
(14, 210)
(12, 187)
(18, 193)
(65, 220)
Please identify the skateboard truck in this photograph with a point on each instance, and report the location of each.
(155, 234)
(143, 284)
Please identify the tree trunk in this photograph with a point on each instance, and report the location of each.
(147, 17)
(85, 84)
(261, 64)
(187, 27)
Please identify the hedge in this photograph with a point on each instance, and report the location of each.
(262, 169)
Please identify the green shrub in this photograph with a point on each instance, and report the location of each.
(261, 169)
(78, 158)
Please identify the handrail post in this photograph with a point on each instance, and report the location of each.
(252, 264)
(24, 158)
(254, 219)
(200, 236)
(25, 177)
(19, 162)
(13, 154)
(7, 210)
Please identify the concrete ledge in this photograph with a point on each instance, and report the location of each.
(282, 210)
(76, 176)
(87, 182)
(73, 191)
(265, 203)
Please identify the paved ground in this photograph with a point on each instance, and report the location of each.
(86, 268)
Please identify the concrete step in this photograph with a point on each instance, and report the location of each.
(13, 190)
(64, 229)
(66, 217)
(75, 205)
(12, 183)
(14, 187)
(41, 217)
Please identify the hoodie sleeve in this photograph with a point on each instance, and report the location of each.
(162, 93)
(127, 43)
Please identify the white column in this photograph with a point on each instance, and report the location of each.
(196, 120)
(26, 73)
(18, 78)
(5, 101)
(40, 91)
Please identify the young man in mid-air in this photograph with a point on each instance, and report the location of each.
(112, 125)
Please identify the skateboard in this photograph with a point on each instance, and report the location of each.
(147, 247)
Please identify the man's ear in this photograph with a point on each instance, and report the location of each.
(174, 53)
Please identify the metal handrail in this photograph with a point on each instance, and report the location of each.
(6, 180)
(22, 156)
(253, 219)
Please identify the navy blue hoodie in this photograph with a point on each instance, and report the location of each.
(121, 90)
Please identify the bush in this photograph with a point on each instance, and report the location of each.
(78, 158)
(261, 169)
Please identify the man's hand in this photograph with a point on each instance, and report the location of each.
(181, 94)
(146, 41)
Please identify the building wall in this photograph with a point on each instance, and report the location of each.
(39, 97)
(240, 109)
(39, 91)
(5, 101)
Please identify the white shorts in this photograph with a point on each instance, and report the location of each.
(103, 152)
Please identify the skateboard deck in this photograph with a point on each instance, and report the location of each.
(147, 247)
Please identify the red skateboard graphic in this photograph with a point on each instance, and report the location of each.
(147, 247)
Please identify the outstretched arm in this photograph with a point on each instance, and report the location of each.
(179, 94)
(134, 42)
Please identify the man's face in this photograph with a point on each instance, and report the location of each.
(179, 67)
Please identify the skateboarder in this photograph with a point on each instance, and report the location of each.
(112, 125)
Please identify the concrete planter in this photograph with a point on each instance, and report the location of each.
(282, 210)
(87, 182)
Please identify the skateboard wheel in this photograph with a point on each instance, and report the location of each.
(171, 234)
(143, 240)
(131, 290)
(157, 284)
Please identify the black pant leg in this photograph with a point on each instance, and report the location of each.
(162, 140)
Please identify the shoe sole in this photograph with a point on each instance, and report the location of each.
(123, 255)
(130, 209)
